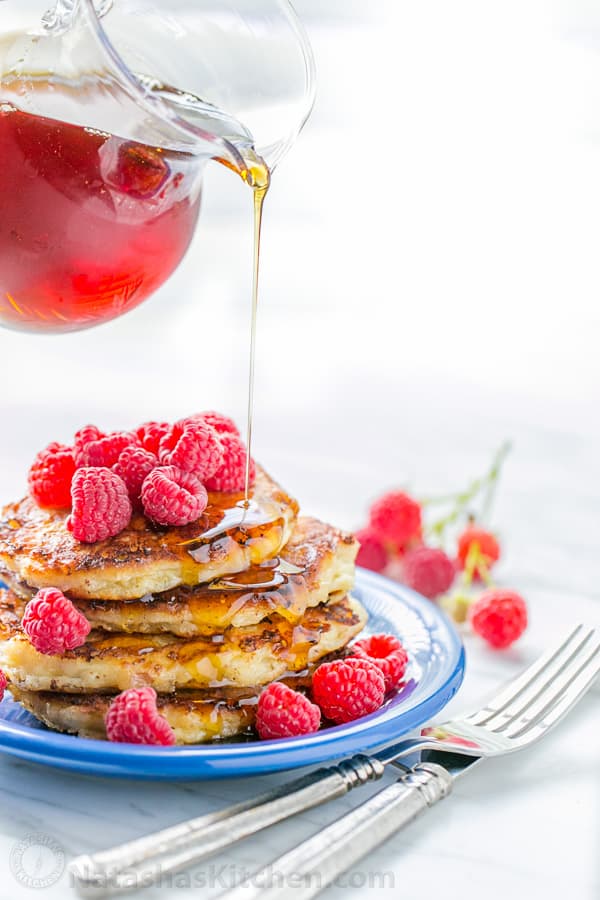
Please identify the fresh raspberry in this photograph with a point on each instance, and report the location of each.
(347, 689)
(173, 497)
(221, 424)
(387, 653)
(105, 451)
(50, 476)
(150, 435)
(86, 435)
(481, 543)
(282, 712)
(429, 571)
(371, 553)
(499, 616)
(3, 683)
(193, 447)
(231, 476)
(53, 624)
(396, 518)
(101, 505)
(133, 718)
(133, 465)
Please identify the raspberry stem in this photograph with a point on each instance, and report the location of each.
(463, 499)
(476, 562)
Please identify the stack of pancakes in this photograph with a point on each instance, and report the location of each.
(207, 613)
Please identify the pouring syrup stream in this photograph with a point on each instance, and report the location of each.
(261, 180)
(257, 176)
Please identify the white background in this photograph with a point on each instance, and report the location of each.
(430, 288)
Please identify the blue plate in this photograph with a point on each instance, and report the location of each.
(435, 674)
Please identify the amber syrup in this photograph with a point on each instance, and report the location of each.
(256, 174)
(90, 224)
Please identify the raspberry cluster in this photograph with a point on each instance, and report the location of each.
(159, 469)
(342, 690)
(395, 542)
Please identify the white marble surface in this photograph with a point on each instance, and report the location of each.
(406, 329)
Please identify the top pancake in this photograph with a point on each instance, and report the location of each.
(37, 548)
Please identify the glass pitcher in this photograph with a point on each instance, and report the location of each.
(109, 111)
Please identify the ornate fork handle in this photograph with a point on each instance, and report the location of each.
(143, 861)
(305, 871)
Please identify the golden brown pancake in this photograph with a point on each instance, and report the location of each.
(317, 562)
(36, 547)
(196, 717)
(252, 655)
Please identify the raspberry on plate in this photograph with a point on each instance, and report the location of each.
(499, 616)
(150, 435)
(101, 506)
(483, 543)
(221, 424)
(283, 712)
(387, 653)
(173, 497)
(3, 683)
(371, 553)
(192, 447)
(231, 475)
(105, 451)
(396, 518)
(347, 689)
(429, 571)
(133, 465)
(133, 718)
(53, 624)
(86, 435)
(50, 476)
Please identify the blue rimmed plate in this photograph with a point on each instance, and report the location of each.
(435, 673)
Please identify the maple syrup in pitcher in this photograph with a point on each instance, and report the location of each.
(90, 224)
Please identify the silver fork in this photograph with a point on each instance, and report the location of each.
(518, 716)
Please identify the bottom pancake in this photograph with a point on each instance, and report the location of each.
(196, 717)
(195, 720)
(109, 662)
